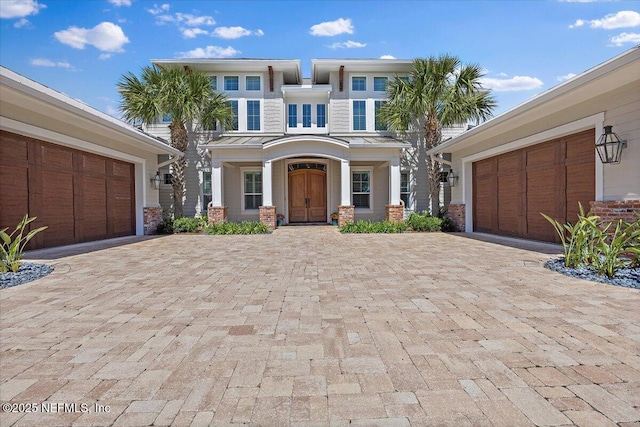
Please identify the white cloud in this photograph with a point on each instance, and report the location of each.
(43, 62)
(183, 19)
(106, 36)
(346, 45)
(624, 38)
(19, 8)
(156, 10)
(235, 32)
(210, 52)
(22, 23)
(190, 33)
(622, 19)
(515, 83)
(332, 28)
(104, 56)
(119, 3)
(565, 77)
(387, 57)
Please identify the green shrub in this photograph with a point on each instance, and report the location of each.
(448, 225)
(245, 227)
(166, 226)
(187, 225)
(590, 243)
(424, 222)
(364, 226)
(12, 248)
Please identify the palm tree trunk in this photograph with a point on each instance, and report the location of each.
(180, 141)
(432, 138)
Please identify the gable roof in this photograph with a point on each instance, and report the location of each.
(615, 73)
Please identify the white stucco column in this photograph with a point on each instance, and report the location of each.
(394, 181)
(345, 183)
(216, 183)
(267, 184)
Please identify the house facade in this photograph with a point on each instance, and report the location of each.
(82, 173)
(302, 148)
(541, 156)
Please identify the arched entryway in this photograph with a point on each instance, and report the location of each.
(307, 182)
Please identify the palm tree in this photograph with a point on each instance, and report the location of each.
(440, 92)
(186, 96)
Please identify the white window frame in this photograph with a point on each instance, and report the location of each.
(243, 170)
(374, 83)
(365, 83)
(366, 116)
(224, 84)
(409, 203)
(237, 116)
(356, 169)
(317, 116)
(289, 116)
(246, 87)
(203, 207)
(213, 77)
(260, 106)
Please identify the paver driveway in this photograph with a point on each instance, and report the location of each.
(310, 327)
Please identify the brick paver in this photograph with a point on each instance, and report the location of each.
(310, 327)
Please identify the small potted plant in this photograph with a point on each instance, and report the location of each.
(280, 219)
(334, 218)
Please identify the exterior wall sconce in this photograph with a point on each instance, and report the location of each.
(452, 178)
(156, 180)
(610, 146)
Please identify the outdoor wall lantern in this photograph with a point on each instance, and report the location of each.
(452, 178)
(610, 146)
(156, 180)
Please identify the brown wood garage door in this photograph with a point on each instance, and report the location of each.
(78, 195)
(510, 190)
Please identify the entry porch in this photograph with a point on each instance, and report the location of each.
(305, 179)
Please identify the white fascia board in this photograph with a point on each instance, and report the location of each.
(373, 146)
(35, 90)
(229, 146)
(629, 57)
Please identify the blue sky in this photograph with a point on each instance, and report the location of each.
(82, 48)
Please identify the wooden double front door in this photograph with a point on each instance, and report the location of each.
(307, 195)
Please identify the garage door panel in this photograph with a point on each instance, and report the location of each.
(93, 164)
(13, 194)
(67, 189)
(550, 178)
(508, 203)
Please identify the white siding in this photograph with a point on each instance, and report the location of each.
(380, 191)
(274, 105)
(339, 118)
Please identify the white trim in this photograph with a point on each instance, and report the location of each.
(201, 177)
(244, 211)
(595, 121)
(36, 132)
(368, 169)
(410, 196)
(351, 117)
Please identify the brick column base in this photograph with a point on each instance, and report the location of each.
(268, 216)
(152, 218)
(614, 210)
(346, 214)
(217, 214)
(455, 213)
(395, 213)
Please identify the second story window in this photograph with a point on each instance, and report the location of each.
(358, 84)
(253, 115)
(359, 115)
(234, 107)
(380, 84)
(321, 115)
(166, 118)
(293, 115)
(213, 80)
(253, 82)
(230, 83)
(306, 115)
(380, 124)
